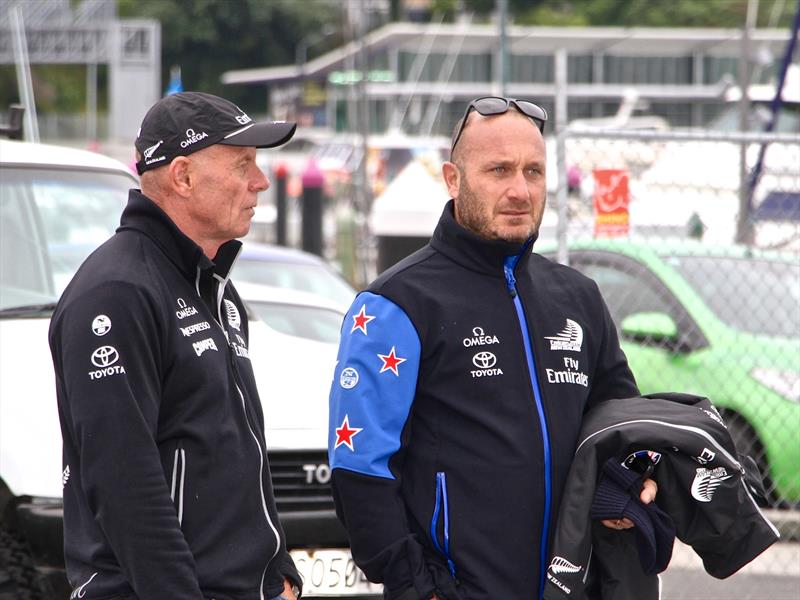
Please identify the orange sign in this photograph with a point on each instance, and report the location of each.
(611, 197)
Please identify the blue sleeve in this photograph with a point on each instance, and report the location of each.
(371, 396)
(373, 386)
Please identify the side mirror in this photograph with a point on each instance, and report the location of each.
(651, 328)
(13, 130)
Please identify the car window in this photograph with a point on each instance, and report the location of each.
(625, 291)
(629, 287)
(50, 221)
(770, 307)
(320, 324)
(316, 279)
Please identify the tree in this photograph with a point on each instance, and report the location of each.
(627, 13)
(208, 37)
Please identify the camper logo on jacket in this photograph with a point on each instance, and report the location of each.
(706, 482)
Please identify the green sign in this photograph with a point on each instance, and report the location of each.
(353, 76)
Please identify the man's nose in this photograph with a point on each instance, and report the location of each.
(261, 183)
(519, 188)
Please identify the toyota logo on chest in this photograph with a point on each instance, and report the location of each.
(485, 362)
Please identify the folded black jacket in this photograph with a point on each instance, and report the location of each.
(703, 484)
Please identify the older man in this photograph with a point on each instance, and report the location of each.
(462, 377)
(167, 490)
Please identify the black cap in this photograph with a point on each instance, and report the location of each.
(186, 122)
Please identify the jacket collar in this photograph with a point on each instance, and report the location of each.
(145, 216)
(474, 252)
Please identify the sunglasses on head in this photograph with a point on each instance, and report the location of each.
(494, 105)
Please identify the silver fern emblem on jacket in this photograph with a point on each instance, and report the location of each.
(234, 319)
(562, 565)
(706, 482)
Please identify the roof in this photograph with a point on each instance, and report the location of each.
(479, 39)
(411, 204)
(665, 247)
(256, 292)
(268, 252)
(44, 155)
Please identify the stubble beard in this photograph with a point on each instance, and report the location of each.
(470, 214)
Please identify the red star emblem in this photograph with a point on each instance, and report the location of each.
(390, 362)
(361, 319)
(345, 434)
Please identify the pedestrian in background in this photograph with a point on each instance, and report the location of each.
(167, 490)
(462, 377)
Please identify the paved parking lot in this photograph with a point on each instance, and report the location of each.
(775, 575)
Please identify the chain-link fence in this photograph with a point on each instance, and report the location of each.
(702, 276)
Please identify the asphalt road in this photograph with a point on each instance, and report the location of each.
(775, 575)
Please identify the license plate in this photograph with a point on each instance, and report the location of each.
(332, 573)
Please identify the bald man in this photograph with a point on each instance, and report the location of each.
(462, 377)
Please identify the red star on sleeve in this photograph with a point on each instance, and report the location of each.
(345, 434)
(390, 362)
(361, 319)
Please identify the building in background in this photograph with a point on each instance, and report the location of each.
(419, 76)
(89, 33)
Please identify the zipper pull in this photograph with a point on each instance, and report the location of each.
(511, 281)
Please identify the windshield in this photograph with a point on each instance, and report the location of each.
(50, 221)
(320, 324)
(770, 307)
(316, 279)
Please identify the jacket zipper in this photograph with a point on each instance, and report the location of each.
(509, 265)
(220, 294)
(178, 480)
(442, 506)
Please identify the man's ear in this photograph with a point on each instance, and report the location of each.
(452, 178)
(181, 177)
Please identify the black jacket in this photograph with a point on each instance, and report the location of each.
(703, 484)
(167, 490)
(462, 377)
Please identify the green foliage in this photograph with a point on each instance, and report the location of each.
(208, 37)
(445, 8)
(57, 88)
(645, 13)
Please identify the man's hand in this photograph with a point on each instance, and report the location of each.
(647, 495)
(288, 592)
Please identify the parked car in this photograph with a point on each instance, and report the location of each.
(721, 322)
(296, 313)
(293, 341)
(56, 206)
(281, 267)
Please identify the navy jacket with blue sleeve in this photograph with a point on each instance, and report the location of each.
(462, 377)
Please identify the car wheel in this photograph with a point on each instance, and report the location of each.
(747, 443)
(19, 579)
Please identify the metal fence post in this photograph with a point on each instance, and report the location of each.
(561, 154)
(312, 209)
(281, 173)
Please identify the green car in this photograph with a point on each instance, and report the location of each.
(721, 322)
